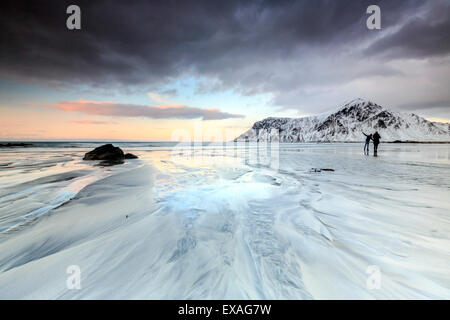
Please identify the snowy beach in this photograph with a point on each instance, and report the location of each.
(235, 221)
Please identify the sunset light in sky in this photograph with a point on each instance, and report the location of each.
(225, 68)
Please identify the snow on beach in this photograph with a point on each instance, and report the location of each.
(226, 223)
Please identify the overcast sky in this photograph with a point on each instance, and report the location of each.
(228, 62)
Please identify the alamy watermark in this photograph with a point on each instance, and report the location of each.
(373, 282)
(73, 22)
(374, 20)
(210, 146)
(73, 281)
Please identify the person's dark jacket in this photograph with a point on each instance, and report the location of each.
(368, 137)
(376, 138)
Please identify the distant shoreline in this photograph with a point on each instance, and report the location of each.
(31, 144)
(395, 141)
(429, 142)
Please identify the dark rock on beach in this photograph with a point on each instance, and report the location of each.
(130, 156)
(109, 155)
(320, 170)
(105, 152)
(10, 145)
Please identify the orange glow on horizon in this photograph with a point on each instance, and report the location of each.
(438, 120)
(50, 124)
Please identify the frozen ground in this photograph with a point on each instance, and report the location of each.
(229, 223)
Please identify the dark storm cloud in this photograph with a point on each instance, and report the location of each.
(290, 49)
(423, 36)
(432, 108)
(141, 42)
(426, 105)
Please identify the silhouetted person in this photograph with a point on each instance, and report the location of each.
(376, 141)
(366, 145)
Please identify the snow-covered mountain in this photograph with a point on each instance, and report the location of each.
(347, 124)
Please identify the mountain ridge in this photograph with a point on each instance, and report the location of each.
(346, 124)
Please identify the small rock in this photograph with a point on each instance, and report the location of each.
(320, 170)
(130, 156)
(13, 144)
(109, 154)
(105, 152)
